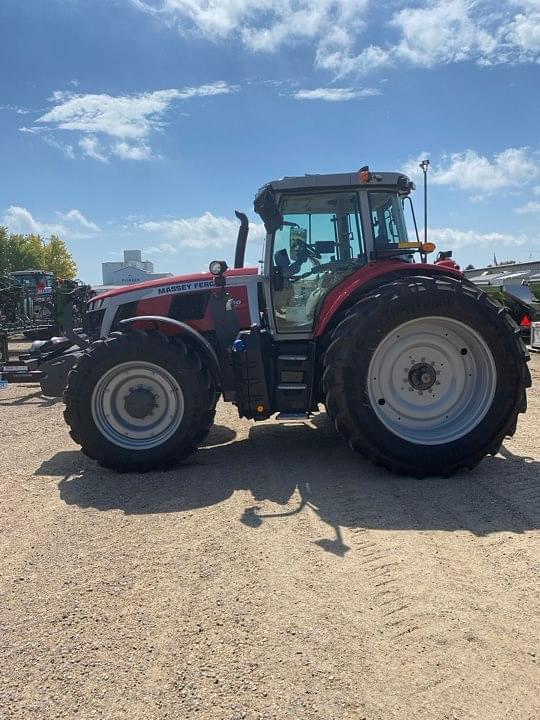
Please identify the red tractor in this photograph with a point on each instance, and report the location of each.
(418, 369)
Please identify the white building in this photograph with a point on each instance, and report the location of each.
(132, 270)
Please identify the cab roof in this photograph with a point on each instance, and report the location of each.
(358, 178)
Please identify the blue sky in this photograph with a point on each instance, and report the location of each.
(146, 123)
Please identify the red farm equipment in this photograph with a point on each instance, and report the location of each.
(418, 369)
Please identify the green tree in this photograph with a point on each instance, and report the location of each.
(58, 259)
(469, 267)
(3, 251)
(25, 252)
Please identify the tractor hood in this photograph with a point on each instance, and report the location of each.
(198, 281)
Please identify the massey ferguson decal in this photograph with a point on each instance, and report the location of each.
(186, 287)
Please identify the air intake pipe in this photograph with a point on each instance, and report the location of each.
(241, 240)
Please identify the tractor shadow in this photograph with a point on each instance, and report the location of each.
(307, 466)
(36, 399)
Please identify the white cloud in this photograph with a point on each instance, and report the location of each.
(161, 249)
(74, 225)
(513, 167)
(125, 151)
(207, 230)
(119, 125)
(524, 30)
(121, 116)
(261, 24)
(412, 167)
(335, 94)
(468, 170)
(91, 147)
(533, 206)
(76, 217)
(342, 61)
(20, 220)
(452, 239)
(65, 148)
(430, 32)
(444, 31)
(16, 109)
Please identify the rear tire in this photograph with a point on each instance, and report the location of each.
(443, 410)
(139, 401)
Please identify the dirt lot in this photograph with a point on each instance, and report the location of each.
(276, 575)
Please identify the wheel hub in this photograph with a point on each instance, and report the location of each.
(422, 376)
(140, 402)
(137, 405)
(431, 380)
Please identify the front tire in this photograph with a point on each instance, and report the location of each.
(139, 401)
(426, 376)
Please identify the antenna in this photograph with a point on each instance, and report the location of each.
(425, 165)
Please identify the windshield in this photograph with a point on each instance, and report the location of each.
(34, 280)
(319, 244)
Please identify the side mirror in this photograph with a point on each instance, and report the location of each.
(266, 207)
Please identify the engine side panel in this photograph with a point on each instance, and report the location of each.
(169, 307)
(187, 301)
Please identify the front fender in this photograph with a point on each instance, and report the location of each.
(200, 343)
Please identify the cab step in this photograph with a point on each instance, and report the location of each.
(293, 379)
(292, 417)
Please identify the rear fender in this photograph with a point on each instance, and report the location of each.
(340, 298)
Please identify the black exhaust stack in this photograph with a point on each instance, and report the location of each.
(241, 240)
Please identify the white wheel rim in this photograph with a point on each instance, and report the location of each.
(431, 380)
(158, 401)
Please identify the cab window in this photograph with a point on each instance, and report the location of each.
(318, 245)
(387, 219)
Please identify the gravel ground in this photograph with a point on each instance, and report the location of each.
(276, 575)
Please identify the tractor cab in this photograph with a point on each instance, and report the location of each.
(321, 229)
(36, 282)
(322, 232)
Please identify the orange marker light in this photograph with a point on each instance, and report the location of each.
(428, 247)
